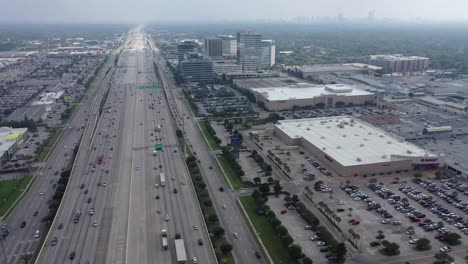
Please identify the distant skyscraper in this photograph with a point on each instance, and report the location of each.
(229, 45)
(185, 47)
(268, 53)
(249, 50)
(214, 47)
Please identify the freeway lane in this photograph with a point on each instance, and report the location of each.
(126, 211)
(21, 240)
(231, 217)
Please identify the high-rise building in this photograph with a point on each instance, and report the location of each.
(214, 47)
(398, 63)
(185, 47)
(195, 68)
(249, 50)
(229, 45)
(268, 53)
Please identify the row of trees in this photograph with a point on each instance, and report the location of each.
(211, 131)
(261, 163)
(217, 233)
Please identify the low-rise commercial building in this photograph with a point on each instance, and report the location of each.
(10, 138)
(352, 147)
(34, 112)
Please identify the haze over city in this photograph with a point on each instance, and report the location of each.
(91, 11)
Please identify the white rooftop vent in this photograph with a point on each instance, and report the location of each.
(358, 159)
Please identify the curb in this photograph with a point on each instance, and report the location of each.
(253, 230)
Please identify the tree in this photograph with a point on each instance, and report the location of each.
(281, 230)
(307, 260)
(270, 180)
(257, 180)
(225, 248)
(373, 180)
(295, 199)
(452, 238)
(295, 251)
(340, 251)
(391, 249)
(277, 188)
(350, 209)
(443, 258)
(287, 199)
(256, 194)
(212, 218)
(264, 188)
(218, 232)
(423, 244)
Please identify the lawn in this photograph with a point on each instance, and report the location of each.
(230, 174)
(262, 227)
(208, 137)
(10, 190)
(50, 142)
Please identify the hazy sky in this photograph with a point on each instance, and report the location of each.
(196, 10)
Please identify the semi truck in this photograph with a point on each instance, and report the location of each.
(180, 251)
(164, 238)
(163, 179)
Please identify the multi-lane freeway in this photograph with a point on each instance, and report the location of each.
(122, 210)
(34, 206)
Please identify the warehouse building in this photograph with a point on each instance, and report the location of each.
(354, 148)
(310, 95)
(10, 139)
(398, 63)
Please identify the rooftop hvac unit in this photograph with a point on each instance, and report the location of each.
(344, 135)
(307, 129)
(357, 135)
(369, 133)
(361, 145)
(381, 136)
(328, 126)
(358, 159)
(409, 151)
(389, 142)
(322, 137)
(384, 156)
(338, 147)
(324, 148)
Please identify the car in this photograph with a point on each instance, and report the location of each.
(91, 211)
(413, 241)
(37, 234)
(157, 197)
(325, 249)
(341, 202)
(258, 255)
(352, 221)
(385, 221)
(200, 242)
(175, 190)
(194, 260)
(339, 210)
(356, 223)
(166, 218)
(89, 200)
(95, 223)
(284, 211)
(85, 191)
(60, 226)
(211, 167)
(374, 244)
(104, 184)
(35, 213)
(396, 223)
(72, 255)
(23, 224)
(236, 235)
(195, 227)
(82, 186)
(445, 249)
(307, 227)
(156, 185)
(53, 242)
(320, 243)
(314, 238)
(221, 189)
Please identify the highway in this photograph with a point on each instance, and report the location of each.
(231, 218)
(21, 242)
(127, 220)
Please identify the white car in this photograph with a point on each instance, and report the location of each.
(41, 193)
(341, 202)
(195, 227)
(413, 241)
(313, 238)
(104, 184)
(166, 218)
(386, 221)
(194, 260)
(321, 243)
(236, 235)
(445, 249)
(156, 185)
(95, 223)
(224, 206)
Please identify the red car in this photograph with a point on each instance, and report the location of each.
(356, 223)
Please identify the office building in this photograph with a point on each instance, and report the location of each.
(397, 63)
(351, 147)
(226, 67)
(195, 68)
(184, 48)
(249, 50)
(268, 53)
(214, 48)
(10, 139)
(229, 45)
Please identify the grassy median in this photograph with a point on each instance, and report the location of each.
(208, 136)
(10, 191)
(264, 230)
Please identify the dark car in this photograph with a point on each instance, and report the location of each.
(157, 197)
(23, 224)
(175, 190)
(200, 242)
(89, 200)
(221, 189)
(325, 249)
(374, 244)
(258, 255)
(72, 255)
(177, 236)
(380, 236)
(339, 210)
(35, 213)
(82, 186)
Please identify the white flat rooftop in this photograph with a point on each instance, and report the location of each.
(351, 142)
(8, 137)
(308, 91)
